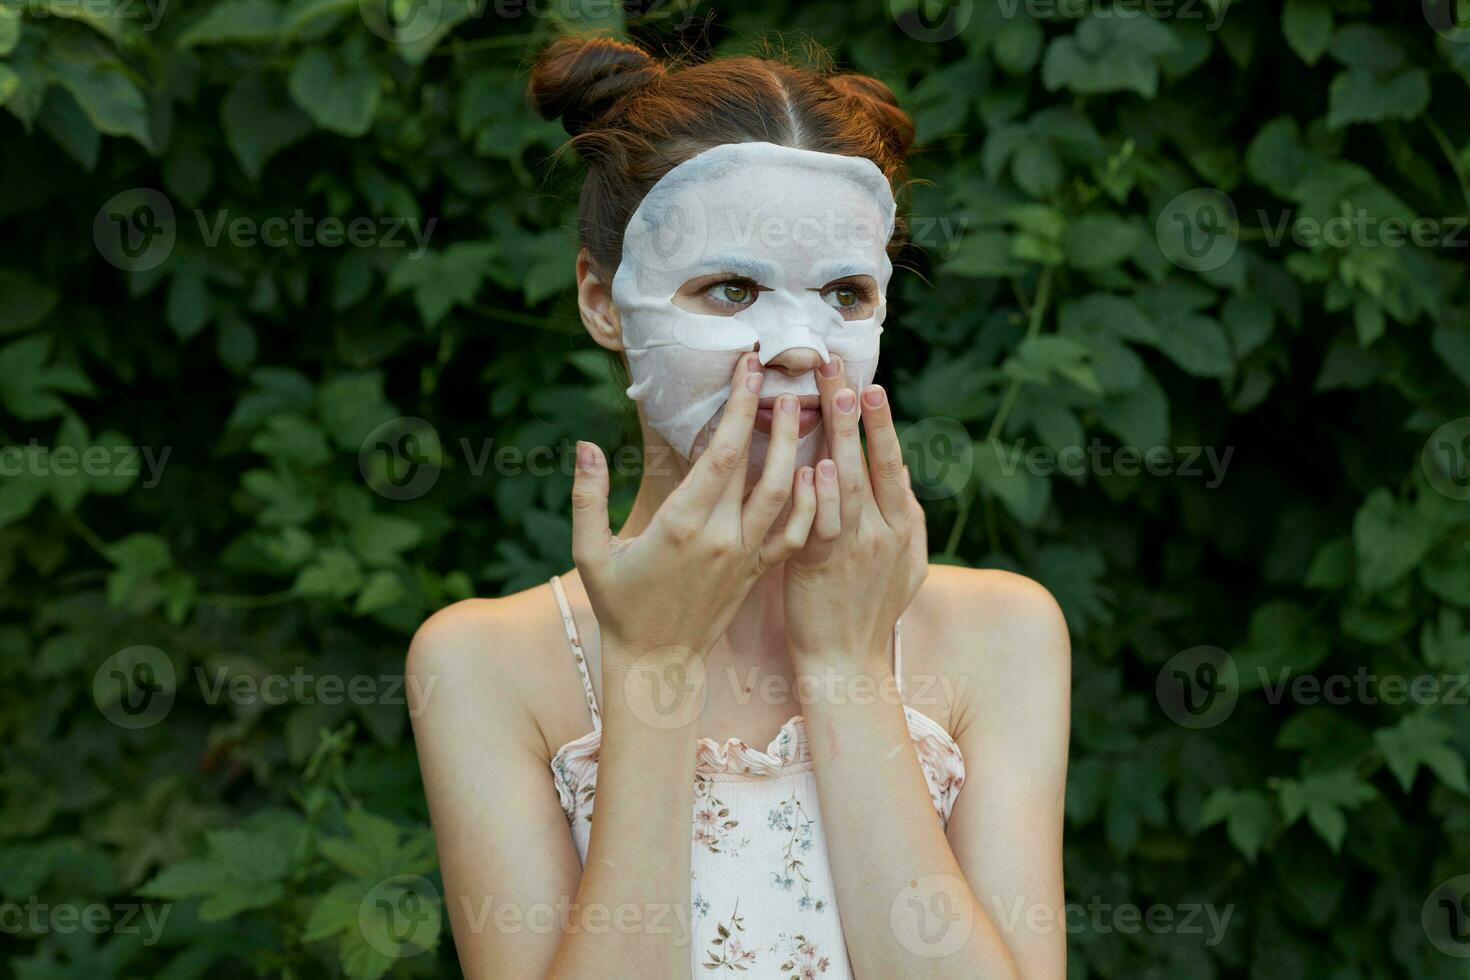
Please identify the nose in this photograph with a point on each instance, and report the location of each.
(794, 361)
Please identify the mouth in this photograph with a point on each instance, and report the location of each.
(809, 414)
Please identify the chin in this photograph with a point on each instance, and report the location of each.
(810, 449)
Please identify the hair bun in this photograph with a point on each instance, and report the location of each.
(882, 106)
(579, 79)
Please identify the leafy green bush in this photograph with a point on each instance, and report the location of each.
(288, 360)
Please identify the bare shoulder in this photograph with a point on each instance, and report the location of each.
(485, 662)
(1000, 636)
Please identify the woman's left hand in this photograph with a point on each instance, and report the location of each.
(867, 552)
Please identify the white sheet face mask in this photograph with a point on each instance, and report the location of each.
(791, 221)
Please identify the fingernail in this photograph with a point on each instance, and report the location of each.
(828, 468)
(807, 475)
(786, 404)
(873, 396)
(846, 400)
(753, 363)
(753, 381)
(828, 370)
(585, 455)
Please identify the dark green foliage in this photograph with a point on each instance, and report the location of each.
(1116, 228)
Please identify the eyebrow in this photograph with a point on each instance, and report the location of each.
(840, 268)
(740, 265)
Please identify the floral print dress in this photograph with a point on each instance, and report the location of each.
(761, 894)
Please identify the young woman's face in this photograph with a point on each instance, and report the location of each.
(752, 246)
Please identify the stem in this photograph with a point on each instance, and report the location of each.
(1449, 151)
(245, 601)
(85, 533)
(509, 316)
(504, 41)
(1007, 402)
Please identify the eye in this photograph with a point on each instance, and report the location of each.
(731, 295)
(731, 292)
(853, 299)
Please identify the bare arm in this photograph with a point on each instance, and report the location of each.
(661, 599)
(911, 903)
(986, 899)
(518, 900)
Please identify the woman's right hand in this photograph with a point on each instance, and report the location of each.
(670, 592)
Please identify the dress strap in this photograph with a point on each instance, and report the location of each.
(898, 657)
(570, 625)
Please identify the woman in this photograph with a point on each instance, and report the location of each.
(905, 817)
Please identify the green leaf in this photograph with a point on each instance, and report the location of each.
(1307, 25)
(1198, 345)
(1422, 740)
(382, 590)
(1390, 540)
(333, 574)
(10, 24)
(1323, 797)
(440, 280)
(1099, 241)
(1247, 816)
(24, 302)
(380, 538)
(1017, 45)
(242, 870)
(1109, 54)
(1002, 471)
(1451, 341)
(259, 122)
(339, 94)
(1358, 96)
(9, 82)
(102, 87)
(234, 22)
(1445, 642)
(29, 387)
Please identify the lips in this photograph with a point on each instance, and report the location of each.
(809, 417)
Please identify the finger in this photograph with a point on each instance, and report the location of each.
(828, 525)
(774, 488)
(886, 471)
(831, 378)
(590, 531)
(724, 459)
(793, 534)
(847, 453)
